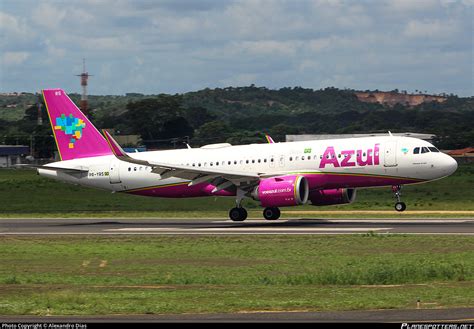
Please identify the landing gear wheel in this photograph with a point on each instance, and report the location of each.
(271, 213)
(400, 206)
(238, 214)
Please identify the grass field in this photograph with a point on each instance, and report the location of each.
(131, 275)
(23, 193)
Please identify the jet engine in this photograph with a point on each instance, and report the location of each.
(282, 191)
(332, 196)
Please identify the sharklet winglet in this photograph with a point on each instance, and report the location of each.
(119, 152)
(269, 139)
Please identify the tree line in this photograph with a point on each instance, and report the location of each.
(243, 115)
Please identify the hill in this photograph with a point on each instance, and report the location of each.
(242, 114)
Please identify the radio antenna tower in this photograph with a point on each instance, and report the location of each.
(84, 77)
(39, 106)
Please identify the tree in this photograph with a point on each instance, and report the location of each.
(157, 118)
(212, 132)
(197, 116)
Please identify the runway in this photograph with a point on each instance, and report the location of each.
(130, 226)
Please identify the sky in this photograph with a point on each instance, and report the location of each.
(176, 46)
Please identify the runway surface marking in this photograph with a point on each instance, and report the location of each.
(248, 229)
(376, 220)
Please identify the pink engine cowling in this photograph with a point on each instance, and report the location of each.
(282, 191)
(332, 197)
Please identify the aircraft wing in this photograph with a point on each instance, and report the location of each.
(195, 174)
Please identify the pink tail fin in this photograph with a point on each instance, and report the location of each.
(76, 137)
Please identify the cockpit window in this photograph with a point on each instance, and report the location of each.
(416, 150)
(433, 149)
(424, 150)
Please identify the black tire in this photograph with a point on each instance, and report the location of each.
(238, 214)
(400, 206)
(243, 214)
(271, 213)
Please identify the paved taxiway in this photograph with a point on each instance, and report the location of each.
(116, 226)
(456, 315)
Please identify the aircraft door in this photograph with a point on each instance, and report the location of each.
(281, 160)
(390, 154)
(114, 171)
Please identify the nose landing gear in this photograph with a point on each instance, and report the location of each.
(399, 206)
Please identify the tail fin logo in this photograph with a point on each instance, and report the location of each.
(70, 126)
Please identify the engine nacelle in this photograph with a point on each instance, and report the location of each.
(332, 197)
(282, 191)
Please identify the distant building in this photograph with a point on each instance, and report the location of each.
(463, 155)
(12, 154)
(297, 138)
(467, 152)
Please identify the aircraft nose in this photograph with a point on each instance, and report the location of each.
(451, 165)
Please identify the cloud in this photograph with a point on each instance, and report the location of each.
(431, 29)
(14, 58)
(182, 45)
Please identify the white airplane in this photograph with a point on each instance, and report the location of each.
(326, 172)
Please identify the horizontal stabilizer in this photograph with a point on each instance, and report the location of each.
(60, 169)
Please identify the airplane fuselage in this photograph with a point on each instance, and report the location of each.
(326, 164)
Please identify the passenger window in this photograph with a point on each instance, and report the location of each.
(433, 149)
(424, 150)
(416, 150)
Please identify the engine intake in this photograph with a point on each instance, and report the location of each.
(282, 191)
(332, 197)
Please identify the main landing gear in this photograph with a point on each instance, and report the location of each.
(238, 214)
(271, 213)
(399, 206)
